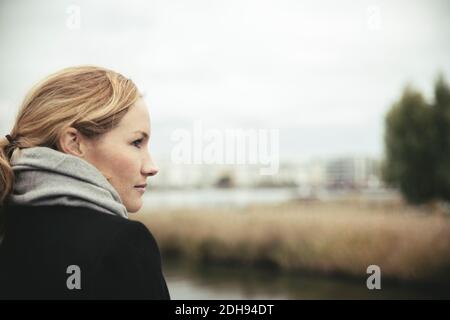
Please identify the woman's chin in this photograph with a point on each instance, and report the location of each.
(134, 207)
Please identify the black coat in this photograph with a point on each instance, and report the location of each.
(117, 258)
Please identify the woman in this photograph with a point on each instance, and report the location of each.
(74, 165)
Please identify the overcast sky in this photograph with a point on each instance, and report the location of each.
(323, 72)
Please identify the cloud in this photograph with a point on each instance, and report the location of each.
(269, 63)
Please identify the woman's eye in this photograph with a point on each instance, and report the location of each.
(137, 143)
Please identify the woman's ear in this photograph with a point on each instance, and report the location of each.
(71, 142)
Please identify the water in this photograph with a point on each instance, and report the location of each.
(240, 197)
(216, 197)
(186, 281)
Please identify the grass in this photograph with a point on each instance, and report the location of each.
(344, 238)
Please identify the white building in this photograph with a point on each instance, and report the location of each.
(352, 172)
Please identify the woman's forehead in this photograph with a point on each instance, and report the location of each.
(137, 118)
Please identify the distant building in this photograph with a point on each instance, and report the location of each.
(345, 172)
(352, 172)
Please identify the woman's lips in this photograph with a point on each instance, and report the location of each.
(140, 189)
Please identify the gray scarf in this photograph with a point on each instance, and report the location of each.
(44, 176)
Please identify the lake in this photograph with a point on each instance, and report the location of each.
(186, 281)
(216, 197)
(240, 197)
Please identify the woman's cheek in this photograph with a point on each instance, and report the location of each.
(127, 167)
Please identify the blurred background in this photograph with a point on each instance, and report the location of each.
(299, 142)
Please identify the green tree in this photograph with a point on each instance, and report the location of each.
(442, 143)
(409, 149)
(417, 145)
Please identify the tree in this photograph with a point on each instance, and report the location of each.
(417, 145)
(442, 143)
(409, 147)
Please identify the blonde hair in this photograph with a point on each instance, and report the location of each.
(90, 99)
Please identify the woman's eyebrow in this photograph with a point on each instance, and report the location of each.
(145, 134)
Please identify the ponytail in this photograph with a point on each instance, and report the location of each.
(6, 179)
(6, 172)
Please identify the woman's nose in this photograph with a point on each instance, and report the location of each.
(150, 168)
(154, 170)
